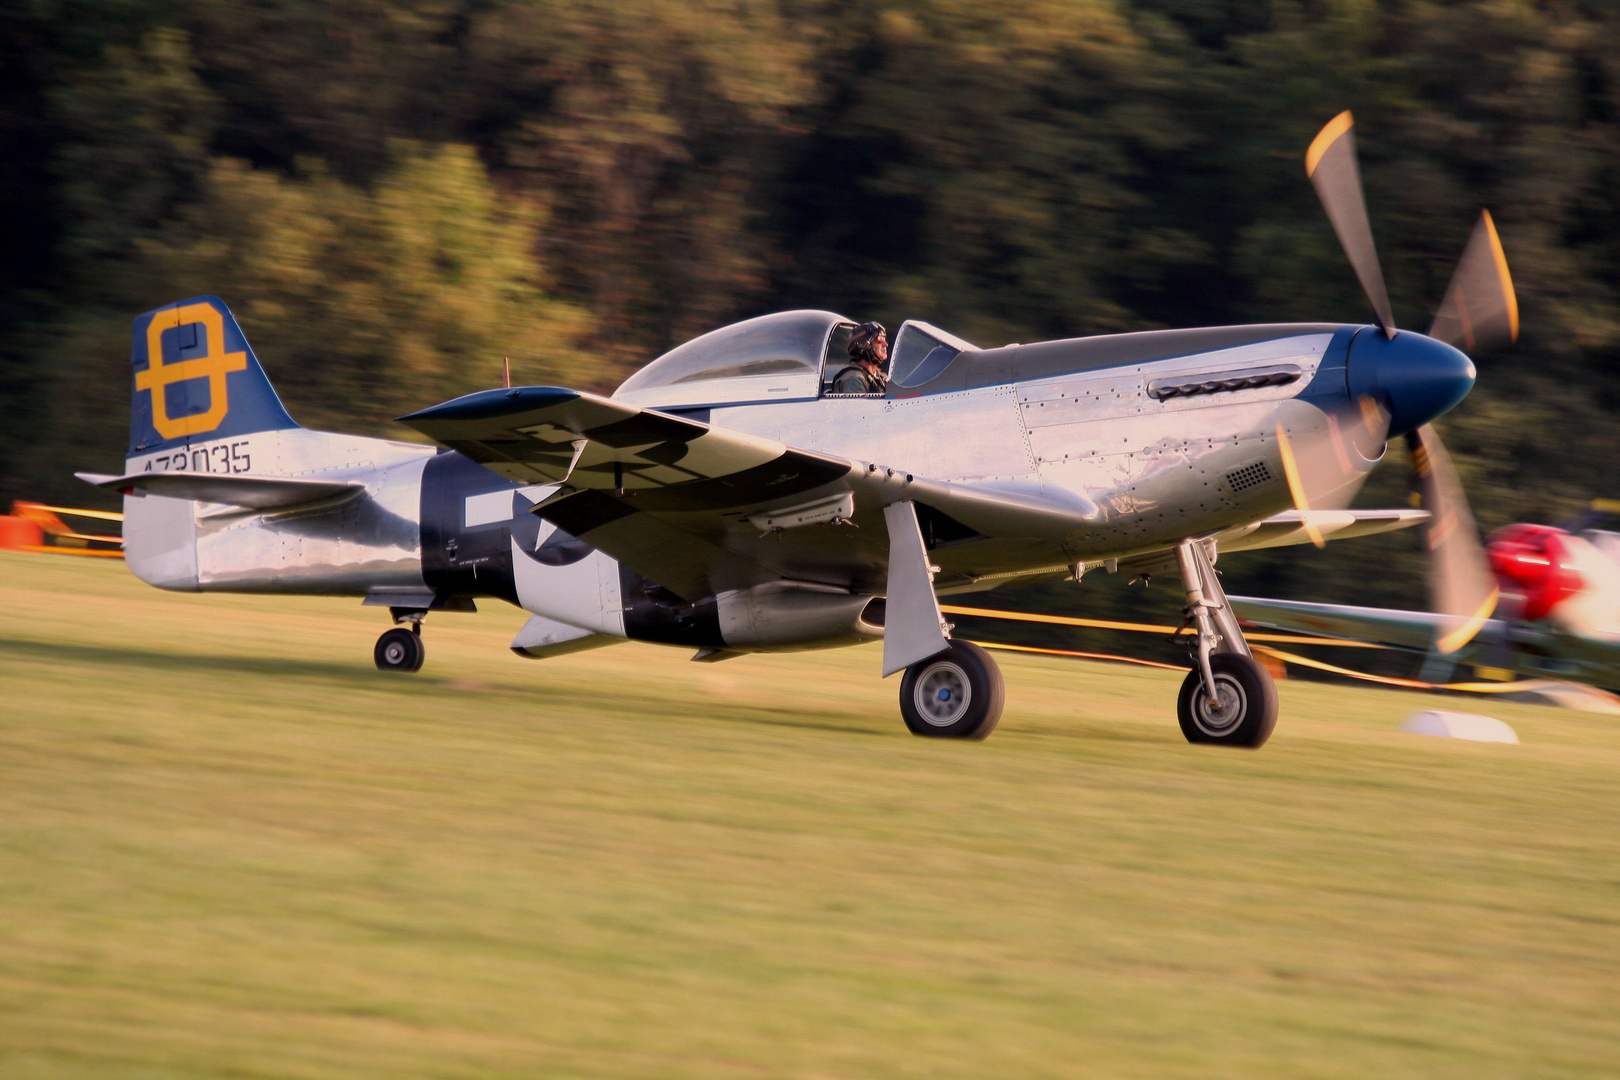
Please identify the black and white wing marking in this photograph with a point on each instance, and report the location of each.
(688, 488)
(549, 435)
(694, 495)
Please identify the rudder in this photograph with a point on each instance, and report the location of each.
(196, 380)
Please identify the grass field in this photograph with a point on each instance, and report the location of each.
(230, 848)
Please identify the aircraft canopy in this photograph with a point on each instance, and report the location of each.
(772, 358)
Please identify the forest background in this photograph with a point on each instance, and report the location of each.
(392, 196)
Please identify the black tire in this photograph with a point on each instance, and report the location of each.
(1248, 704)
(956, 694)
(399, 650)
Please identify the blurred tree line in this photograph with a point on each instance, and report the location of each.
(393, 196)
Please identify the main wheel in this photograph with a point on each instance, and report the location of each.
(956, 694)
(1245, 708)
(399, 650)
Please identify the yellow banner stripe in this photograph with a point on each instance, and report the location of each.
(1144, 628)
(1386, 680)
(1303, 661)
(104, 515)
(1081, 655)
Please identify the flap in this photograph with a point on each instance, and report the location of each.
(251, 492)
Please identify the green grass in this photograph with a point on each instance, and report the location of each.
(230, 848)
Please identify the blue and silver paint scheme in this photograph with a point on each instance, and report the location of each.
(202, 405)
(1141, 440)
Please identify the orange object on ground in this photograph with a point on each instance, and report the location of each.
(35, 527)
(20, 534)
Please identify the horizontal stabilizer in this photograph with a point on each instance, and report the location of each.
(250, 492)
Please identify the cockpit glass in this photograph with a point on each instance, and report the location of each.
(922, 351)
(787, 343)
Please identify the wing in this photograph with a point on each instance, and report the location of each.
(667, 496)
(548, 435)
(250, 492)
(1415, 630)
(698, 508)
(1282, 530)
(1290, 527)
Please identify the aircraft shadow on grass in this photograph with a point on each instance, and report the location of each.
(189, 665)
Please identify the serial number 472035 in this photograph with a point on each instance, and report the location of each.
(218, 458)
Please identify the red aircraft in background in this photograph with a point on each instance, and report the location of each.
(1558, 615)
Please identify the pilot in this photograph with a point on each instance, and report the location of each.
(868, 352)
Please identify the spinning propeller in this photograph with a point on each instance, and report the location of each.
(1398, 381)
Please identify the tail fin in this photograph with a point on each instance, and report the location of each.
(197, 380)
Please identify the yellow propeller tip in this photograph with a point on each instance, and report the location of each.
(1509, 296)
(1296, 488)
(1469, 627)
(1325, 138)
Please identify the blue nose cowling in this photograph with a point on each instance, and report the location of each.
(1416, 377)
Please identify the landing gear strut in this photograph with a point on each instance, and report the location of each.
(401, 649)
(955, 694)
(1228, 699)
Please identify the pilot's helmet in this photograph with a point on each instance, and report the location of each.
(863, 341)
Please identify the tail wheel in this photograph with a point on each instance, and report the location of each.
(1244, 710)
(956, 694)
(399, 650)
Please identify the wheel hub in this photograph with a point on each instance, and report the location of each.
(1226, 713)
(943, 694)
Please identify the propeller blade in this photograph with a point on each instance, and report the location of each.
(1461, 586)
(1499, 646)
(1480, 310)
(1331, 164)
(1325, 468)
(1296, 487)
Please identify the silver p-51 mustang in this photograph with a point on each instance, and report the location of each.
(722, 499)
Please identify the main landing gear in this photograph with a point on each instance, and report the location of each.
(951, 689)
(955, 694)
(401, 649)
(1228, 699)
